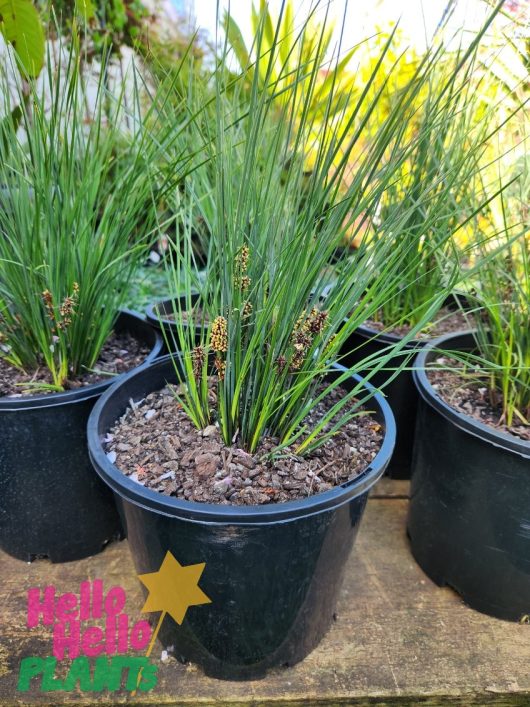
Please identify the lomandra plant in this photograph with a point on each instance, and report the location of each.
(274, 316)
(502, 323)
(80, 178)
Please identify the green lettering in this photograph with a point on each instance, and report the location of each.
(108, 674)
(103, 676)
(79, 672)
(49, 681)
(135, 665)
(149, 677)
(117, 664)
(29, 668)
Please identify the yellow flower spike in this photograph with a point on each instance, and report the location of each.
(219, 335)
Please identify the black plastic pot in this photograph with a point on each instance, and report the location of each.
(159, 315)
(273, 572)
(401, 392)
(51, 502)
(469, 516)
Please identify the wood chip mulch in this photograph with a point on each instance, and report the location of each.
(157, 445)
(120, 353)
(470, 395)
(446, 321)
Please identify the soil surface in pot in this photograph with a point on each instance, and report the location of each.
(120, 353)
(446, 321)
(470, 395)
(156, 444)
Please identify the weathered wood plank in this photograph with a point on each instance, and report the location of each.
(398, 639)
(390, 488)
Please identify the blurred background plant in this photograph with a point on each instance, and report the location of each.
(112, 23)
(302, 46)
(22, 29)
(78, 215)
(442, 189)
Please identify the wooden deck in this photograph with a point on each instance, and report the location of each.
(398, 639)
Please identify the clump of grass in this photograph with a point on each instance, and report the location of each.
(79, 190)
(273, 326)
(502, 321)
(437, 193)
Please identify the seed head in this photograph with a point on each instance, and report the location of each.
(301, 324)
(301, 339)
(305, 330)
(241, 279)
(67, 307)
(297, 360)
(220, 367)
(281, 362)
(197, 357)
(219, 336)
(247, 309)
(242, 259)
(316, 321)
(301, 343)
(47, 298)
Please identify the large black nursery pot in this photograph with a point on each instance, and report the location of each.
(51, 502)
(401, 392)
(272, 572)
(469, 514)
(160, 316)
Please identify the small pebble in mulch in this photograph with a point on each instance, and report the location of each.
(156, 444)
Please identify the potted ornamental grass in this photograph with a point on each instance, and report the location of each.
(432, 203)
(81, 176)
(468, 516)
(250, 453)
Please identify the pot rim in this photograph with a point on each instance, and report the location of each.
(154, 317)
(464, 422)
(79, 395)
(209, 513)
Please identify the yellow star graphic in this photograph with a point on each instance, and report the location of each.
(174, 588)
